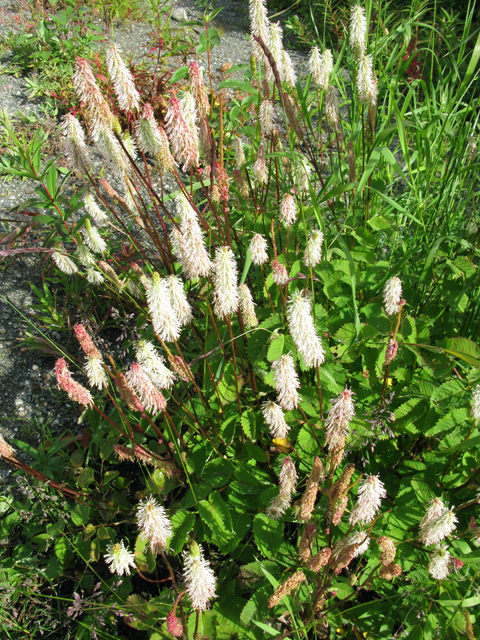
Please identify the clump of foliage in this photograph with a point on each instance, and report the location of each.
(289, 443)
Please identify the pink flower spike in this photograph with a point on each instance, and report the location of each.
(74, 389)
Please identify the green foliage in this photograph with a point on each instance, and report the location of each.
(393, 190)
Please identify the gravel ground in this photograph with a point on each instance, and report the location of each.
(31, 407)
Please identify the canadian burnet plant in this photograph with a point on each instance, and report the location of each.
(267, 338)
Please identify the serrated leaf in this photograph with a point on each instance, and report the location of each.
(275, 350)
(143, 556)
(182, 523)
(268, 534)
(249, 425)
(422, 490)
(80, 514)
(216, 515)
(448, 422)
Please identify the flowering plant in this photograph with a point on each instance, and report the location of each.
(304, 428)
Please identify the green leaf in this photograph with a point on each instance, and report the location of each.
(80, 514)
(95, 550)
(248, 424)
(182, 523)
(422, 490)
(466, 444)
(216, 515)
(275, 350)
(217, 472)
(268, 534)
(143, 556)
(179, 74)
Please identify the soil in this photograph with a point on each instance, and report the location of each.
(31, 407)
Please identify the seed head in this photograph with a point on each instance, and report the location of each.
(307, 504)
(119, 559)
(275, 419)
(286, 382)
(388, 550)
(390, 571)
(302, 329)
(332, 108)
(286, 588)
(319, 560)
(352, 167)
(225, 292)
(154, 525)
(200, 580)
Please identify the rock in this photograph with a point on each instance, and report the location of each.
(179, 15)
(35, 367)
(2, 331)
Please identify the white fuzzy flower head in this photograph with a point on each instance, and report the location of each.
(150, 396)
(64, 263)
(434, 509)
(266, 117)
(164, 320)
(189, 110)
(239, 153)
(260, 173)
(166, 161)
(288, 210)
(198, 89)
(129, 144)
(258, 25)
(178, 300)
(93, 239)
(84, 255)
(288, 479)
(154, 525)
(358, 31)
(279, 273)
(313, 250)
(95, 372)
(112, 152)
(370, 495)
(94, 277)
(475, 403)
(247, 307)
(332, 108)
(358, 538)
(278, 506)
(339, 417)
(75, 145)
(190, 247)
(152, 362)
(275, 420)
(286, 382)
(289, 75)
(392, 295)
(438, 567)
(366, 81)
(315, 65)
(437, 529)
(200, 581)
(183, 132)
(258, 249)
(91, 207)
(147, 134)
(275, 46)
(123, 83)
(119, 559)
(225, 293)
(303, 175)
(302, 329)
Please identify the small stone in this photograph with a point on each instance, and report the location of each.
(179, 15)
(35, 367)
(2, 331)
(6, 316)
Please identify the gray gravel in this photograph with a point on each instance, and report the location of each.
(31, 407)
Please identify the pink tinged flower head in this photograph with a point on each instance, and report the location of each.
(366, 81)
(86, 88)
(147, 134)
(313, 250)
(112, 152)
(178, 300)
(96, 374)
(279, 273)
(152, 362)
(332, 109)
(275, 46)
(339, 417)
(154, 524)
(439, 564)
(247, 307)
(435, 508)
(165, 322)
(123, 82)
(6, 450)
(149, 395)
(239, 153)
(260, 173)
(222, 181)
(183, 138)
(91, 207)
(174, 626)
(119, 558)
(392, 295)
(370, 495)
(74, 389)
(288, 210)
(286, 382)
(192, 253)
(64, 263)
(198, 89)
(289, 75)
(127, 393)
(225, 288)
(200, 581)
(275, 419)
(358, 31)
(259, 25)
(391, 351)
(74, 143)
(438, 528)
(258, 249)
(475, 403)
(302, 329)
